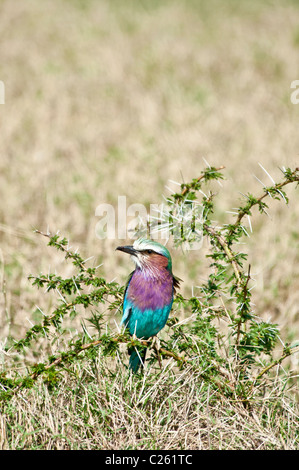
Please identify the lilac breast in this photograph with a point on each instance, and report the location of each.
(148, 292)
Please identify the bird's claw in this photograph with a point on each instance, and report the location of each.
(156, 346)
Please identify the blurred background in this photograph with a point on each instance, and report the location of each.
(108, 98)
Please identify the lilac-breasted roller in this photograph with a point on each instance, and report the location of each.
(149, 293)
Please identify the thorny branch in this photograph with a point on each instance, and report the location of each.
(222, 237)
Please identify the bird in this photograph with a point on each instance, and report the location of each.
(148, 294)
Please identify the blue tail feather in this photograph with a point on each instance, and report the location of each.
(137, 358)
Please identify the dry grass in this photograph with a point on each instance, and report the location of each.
(98, 410)
(111, 98)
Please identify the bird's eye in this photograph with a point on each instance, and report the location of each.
(149, 251)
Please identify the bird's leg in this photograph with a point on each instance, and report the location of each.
(156, 346)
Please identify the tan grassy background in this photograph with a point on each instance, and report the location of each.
(109, 98)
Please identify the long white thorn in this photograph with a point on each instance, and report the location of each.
(267, 174)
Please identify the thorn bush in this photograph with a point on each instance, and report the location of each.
(233, 360)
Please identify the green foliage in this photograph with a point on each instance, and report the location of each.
(232, 359)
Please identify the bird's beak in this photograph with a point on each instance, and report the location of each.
(128, 249)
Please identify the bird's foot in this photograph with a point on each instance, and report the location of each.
(156, 346)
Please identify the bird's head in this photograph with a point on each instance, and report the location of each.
(148, 254)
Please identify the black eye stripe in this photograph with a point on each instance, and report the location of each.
(148, 252)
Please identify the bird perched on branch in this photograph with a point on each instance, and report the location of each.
(149, 293)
